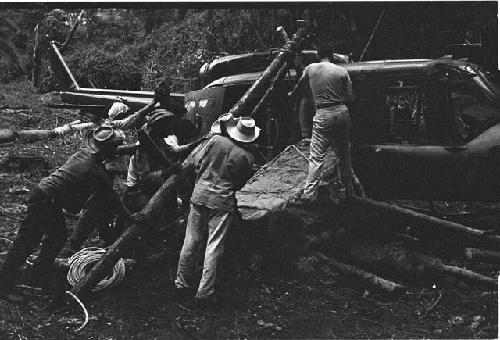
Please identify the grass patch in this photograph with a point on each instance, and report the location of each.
(19, 93)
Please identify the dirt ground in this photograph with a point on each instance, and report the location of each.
(260, 301)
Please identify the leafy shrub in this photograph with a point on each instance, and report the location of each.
(106, 69)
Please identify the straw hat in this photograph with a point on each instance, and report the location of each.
(243, 129)
(117, 109)
(104, 136)
(226, 117)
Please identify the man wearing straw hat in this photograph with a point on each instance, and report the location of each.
(69, 187)
(222, 167)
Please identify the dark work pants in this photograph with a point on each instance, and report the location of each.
(44, 217)
(97, 213)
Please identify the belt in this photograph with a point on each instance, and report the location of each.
(323, 105)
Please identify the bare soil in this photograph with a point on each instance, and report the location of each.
(260, 301)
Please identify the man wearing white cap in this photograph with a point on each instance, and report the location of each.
(222, 167)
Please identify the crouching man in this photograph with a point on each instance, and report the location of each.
(69, 187)
(222, 167)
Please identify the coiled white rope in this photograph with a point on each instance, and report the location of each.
(81, 262)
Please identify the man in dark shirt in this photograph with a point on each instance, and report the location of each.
(222, 167)
(331, 89)
(69, 187)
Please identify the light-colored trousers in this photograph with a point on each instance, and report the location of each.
(331, 126)
(203, 221)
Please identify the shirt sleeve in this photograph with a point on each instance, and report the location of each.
(127, 123)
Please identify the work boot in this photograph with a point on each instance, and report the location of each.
(15, 258)
(206, 303)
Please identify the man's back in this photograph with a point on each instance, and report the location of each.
(222, 169)
(330, 84)
(73, 183)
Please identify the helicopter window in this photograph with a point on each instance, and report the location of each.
(472, 108)
(403, 119)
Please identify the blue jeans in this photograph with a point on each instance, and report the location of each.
(331, 126)
(203, 222)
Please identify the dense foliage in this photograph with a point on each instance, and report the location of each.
(133, 48)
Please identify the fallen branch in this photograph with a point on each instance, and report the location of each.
(481, 255)
(7, 135)
(428, 221)
(368, 277)
(390, 259)
(469, 275)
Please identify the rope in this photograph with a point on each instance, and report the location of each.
(83, 308)
(81, 262)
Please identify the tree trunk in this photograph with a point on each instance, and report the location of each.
(7, 135)
(255, 93)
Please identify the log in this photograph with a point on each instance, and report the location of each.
(152, 211)
(468, 276)
(255, 93)
(8, 135)
(429, 221)
(372, 279)
(481, 255)
(412, 265)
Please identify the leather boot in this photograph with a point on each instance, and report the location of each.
(15, 258)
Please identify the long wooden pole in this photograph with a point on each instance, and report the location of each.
(152, 210)
(254, 94)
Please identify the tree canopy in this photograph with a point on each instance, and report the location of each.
(132, 48)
